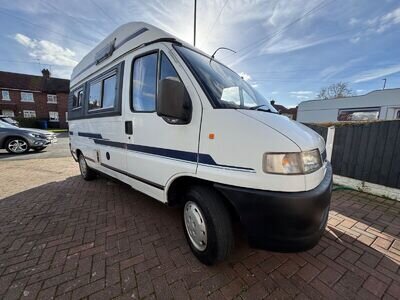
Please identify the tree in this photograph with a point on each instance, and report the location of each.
(336, 90)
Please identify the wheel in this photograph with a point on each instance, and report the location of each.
(207, 225)
(39, 149)
(17, 145)
(86, 172)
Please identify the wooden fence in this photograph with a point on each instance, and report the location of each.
(367, 152)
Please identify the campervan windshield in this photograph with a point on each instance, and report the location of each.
(225, 88)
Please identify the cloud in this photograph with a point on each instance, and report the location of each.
(47, 52)
(284, 44)
(376, 73)
(302, 92)
(381, 24)
(245, 76)
(355, 39)
(354, 21)
(302, 95)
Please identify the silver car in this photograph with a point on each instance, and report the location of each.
(19, 140)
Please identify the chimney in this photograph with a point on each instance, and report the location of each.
(272, 102)
(46, 73)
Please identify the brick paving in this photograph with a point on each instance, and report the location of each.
(64, 238)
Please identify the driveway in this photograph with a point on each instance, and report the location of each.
(61, 149)
(65, 238)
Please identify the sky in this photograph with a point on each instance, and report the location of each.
(287, 49)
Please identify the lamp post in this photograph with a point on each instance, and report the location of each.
(194, 25)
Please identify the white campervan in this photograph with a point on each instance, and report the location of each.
(172, 122)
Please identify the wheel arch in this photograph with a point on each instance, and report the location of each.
(179, 185)
(7, 138)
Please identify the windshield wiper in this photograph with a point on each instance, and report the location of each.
(258, 107)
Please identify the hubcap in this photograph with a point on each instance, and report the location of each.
(18, 146)
(195, 225)
(82, 165)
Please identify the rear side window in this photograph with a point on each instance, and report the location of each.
(77, 98)
(102, 93)
(144, 83)
(109, 91)
(95, 95)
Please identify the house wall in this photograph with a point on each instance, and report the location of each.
(40, 105)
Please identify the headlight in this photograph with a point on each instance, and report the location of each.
(292, 163)
(35, 135)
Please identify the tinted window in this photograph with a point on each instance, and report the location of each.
(367, 114)
(77, 99)
(95, 95)
(109, 91)
(144, 83)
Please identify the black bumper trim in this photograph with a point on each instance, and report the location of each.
(282, 221)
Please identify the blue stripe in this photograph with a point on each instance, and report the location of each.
(204, 159)
(90, 135)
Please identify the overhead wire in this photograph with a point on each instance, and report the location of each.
(216, 20)
(47, 29)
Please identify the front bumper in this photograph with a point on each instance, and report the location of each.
(282, 221)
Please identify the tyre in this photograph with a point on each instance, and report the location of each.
(86, 172)
(207, 225)
(39, 149)
(17, 145)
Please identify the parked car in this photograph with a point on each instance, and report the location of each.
(179, 126)
(9, 120)
(19, 140)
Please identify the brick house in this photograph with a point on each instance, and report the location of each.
(288, 112)
(30, 96)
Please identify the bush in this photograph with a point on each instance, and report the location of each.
(27, 122)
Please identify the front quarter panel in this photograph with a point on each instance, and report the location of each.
(237, 151)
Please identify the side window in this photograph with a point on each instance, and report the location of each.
(103, 92)
(95, 95)
(77, 98)
(144, 83)
(109, 91)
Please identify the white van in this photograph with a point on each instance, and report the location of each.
(158, 114)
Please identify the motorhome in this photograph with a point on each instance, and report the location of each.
(152, 111)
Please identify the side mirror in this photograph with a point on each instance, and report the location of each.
(173, 102)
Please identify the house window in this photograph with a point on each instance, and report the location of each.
(5, 95)
(102, 93)
(53, 116)
(7, 113)
(361, 114)
(77, 99)
(29, 114)
(51, 98)
(26, 97)
(144, 83)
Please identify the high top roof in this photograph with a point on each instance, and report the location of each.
(122, 40)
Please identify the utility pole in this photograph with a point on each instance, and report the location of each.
(194, 25)
(384, 83)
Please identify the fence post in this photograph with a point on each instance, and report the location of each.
(330, 138)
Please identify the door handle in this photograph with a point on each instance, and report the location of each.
(128, 127)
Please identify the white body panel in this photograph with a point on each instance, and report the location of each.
(324, 111)
(233, 157)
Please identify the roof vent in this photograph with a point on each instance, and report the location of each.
(105, 53)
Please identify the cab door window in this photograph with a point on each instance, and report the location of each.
(144, 83)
